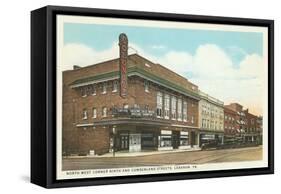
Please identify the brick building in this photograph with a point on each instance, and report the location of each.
(128, 104)
(240, 118)
(211, 119)
(254, 128)
(230, 122)
(240, 123)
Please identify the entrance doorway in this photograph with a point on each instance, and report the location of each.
(124, 142)
(135, 142)
(175, 139)
(192, 138)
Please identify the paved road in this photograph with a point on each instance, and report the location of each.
(196, 157)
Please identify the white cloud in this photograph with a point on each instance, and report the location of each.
(213, 69)
(158, 47)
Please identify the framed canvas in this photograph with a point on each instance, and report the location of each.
(126, 96)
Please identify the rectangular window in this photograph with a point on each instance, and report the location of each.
(159, 110)
(93, 91)
(115, 86)
(192, 119)
(125, 106)
(179, 109)
(146, 86)
(94, 113)
(184, 111)
(104, 88)
(83, 91)
(85, 114)
(167, 106)
(174, 108)
(104, 112)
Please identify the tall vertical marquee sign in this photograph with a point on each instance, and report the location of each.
(123, 44)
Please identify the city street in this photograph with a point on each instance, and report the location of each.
(191, 157)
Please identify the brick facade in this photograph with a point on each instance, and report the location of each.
(83, 92)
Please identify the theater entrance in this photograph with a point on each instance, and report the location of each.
(124, 142)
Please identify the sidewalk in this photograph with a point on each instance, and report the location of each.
(134, 154)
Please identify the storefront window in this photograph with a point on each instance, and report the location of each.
(165, 141)
(183, 138)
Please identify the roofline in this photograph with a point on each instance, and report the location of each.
(162, 66)
(134, 54)
(139, 72)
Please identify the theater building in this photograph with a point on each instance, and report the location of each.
(211, 119)
(128, 104)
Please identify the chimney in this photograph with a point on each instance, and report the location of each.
(76, 67)
(123, 52)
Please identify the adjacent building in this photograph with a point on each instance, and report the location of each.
(211, 119)
(230, 123)
(241, 124)
(128, 104)
(254, 128)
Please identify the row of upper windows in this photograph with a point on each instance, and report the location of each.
(171, 107)
(229, 118)
(211, 124)
(229, 127)
(92, 89)
(94, 113)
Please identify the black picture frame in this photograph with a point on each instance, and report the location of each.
(43, 95)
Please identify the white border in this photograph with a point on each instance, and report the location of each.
(61, 19)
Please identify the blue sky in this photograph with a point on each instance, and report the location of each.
(227, 65)
(158, 41)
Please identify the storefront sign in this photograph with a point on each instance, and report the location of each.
(123, 45)
(166, 132)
